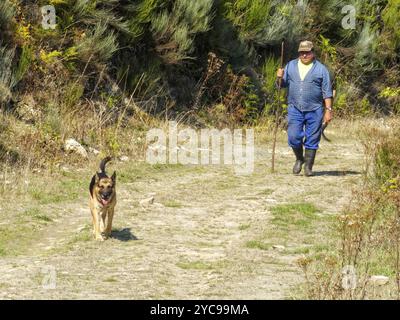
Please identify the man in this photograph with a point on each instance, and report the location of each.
(309, 89)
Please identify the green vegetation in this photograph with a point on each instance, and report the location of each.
(111, 69)
(112, 65)
(244, 226)
(300, 215)
(256, 244)
(173, 204)
(35, 213)
(201, 265)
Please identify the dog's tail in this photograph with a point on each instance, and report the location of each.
(103, 164)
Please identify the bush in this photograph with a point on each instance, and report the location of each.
(7, 76)
(368, 230)
(266, 22)
(98, 45)
(7, 14)
(174, 31)
(390, 16)
(155, 53)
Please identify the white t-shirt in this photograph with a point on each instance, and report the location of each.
(304, 69)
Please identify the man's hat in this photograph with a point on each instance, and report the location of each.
(306, 46)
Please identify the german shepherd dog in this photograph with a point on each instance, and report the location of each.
(103, 199)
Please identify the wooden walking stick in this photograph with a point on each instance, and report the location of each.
(277, 111)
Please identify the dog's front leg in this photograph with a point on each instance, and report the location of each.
(110, 215)
(93, 220)
(102, 217)
(96, 223)
(97, 226)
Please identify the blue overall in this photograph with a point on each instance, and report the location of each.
(305, 103)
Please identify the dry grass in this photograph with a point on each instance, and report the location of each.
(368, 230)
(222, 226)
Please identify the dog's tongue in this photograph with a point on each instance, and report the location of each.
(104, 202)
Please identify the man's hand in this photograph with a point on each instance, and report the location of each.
(328, 110)
(280, 73)
(328, 116)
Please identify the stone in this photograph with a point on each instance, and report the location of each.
(65, 169)
(124, 158)
(379, 280)
(147, 201)
(27, 109)
(94, 151)
(72, 145)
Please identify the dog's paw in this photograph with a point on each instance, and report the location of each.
(99, 238)
(104, 235)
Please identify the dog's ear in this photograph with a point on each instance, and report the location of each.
(92, 183)
(114, 178)
(96, 178)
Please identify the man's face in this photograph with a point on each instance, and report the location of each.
(306, 56)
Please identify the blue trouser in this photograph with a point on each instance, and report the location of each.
(304, 126)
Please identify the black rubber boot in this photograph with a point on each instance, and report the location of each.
(309, 158)
(299, 160)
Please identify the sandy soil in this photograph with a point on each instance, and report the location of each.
(194, 241)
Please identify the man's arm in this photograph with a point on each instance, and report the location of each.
(328, 111)
(327, 94)
(282, 75)
(328, 103)
(327, 91)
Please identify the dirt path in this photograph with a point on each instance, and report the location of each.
(209, 234)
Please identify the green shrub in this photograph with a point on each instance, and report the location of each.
(7, 14)
(266, 22)
(98, 45)
(269, 69)
(24, 63)
(142, 14)
(7, 76)
(386, 159)
(390, 16)
(73, 92)
(175, 30)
